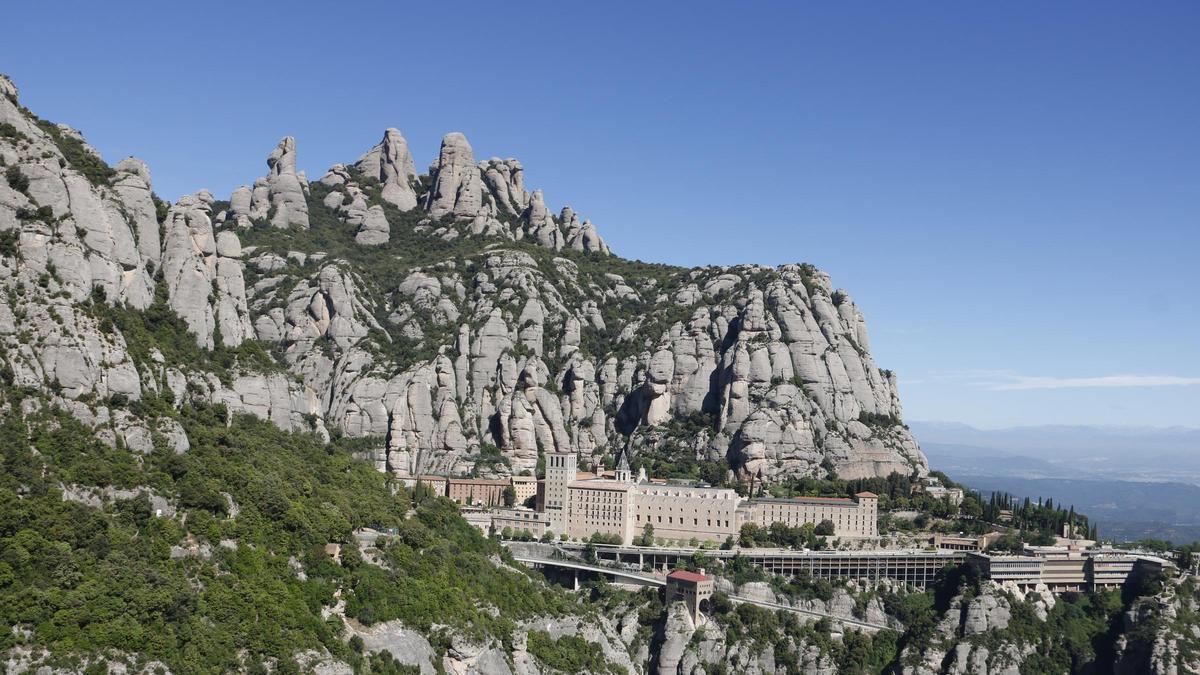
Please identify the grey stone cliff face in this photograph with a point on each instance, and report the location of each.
(528, 337)
(392, 165)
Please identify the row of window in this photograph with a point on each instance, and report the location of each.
(683, 521)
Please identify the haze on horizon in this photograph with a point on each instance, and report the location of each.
(1015, 204)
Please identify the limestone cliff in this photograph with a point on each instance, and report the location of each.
(448, 318)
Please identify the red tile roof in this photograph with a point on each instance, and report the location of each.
(867, 494)
(684, 575)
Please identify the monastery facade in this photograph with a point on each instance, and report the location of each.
(623, 506)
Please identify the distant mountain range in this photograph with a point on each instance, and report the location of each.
(1135, 482)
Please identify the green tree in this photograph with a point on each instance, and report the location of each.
(647, 538)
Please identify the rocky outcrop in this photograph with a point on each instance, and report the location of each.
(540, 225)
(73, 227)
(203, 273)
(391, 164)
(281, 196)
(467, 337)
(505, 179)
(132, 185)
(457, 187)
(970, 637)
(579, 237)
(1160, 634)
(374, 229)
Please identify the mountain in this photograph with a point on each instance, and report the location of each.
(1132, 453)
(449, 319)
(975, 460)
(1124, 510)
(205, 406)
(1135, 483)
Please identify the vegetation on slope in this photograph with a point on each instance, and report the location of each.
(83, 580)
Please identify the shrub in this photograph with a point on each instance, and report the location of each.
(16, 179)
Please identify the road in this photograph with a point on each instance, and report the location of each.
(656, 580)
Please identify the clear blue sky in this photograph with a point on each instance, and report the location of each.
(1009, 190)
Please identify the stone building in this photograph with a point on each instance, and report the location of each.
(561, 468)
(600, 506)
(477, 491)
(684, 512)
(852, 518)
(622, 506)
(521, 520)
(526, 487)
(694, 590)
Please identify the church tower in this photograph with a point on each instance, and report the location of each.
(624, 474)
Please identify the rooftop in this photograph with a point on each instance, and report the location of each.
(478, 481)
(601, 484)
(684, 575)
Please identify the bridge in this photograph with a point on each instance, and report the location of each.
(643, 579)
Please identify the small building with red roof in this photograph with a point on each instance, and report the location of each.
(693, 589)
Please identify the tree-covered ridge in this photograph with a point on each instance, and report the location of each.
(238, 574)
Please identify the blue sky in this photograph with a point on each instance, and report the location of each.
(1011, 191)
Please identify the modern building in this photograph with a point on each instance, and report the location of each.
(949, 542)
(917, 568)
(1023, 570)
(1110, 570)
(1066, 568)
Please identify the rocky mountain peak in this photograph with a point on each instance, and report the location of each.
(456, 182)
(8, 88)
(392, 164)
(280, 196)
(464, 330)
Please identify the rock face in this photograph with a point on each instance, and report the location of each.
(281, 196)
(392, 165)
(970, 625)
(1161, 635)
(203, 273)
(444, 317)
(457, 185)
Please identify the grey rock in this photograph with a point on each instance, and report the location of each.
(392, 163)
(132, 185)
(374, 229)
(283, 191)
(204, 280)
(505, 180)
(457, 185)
